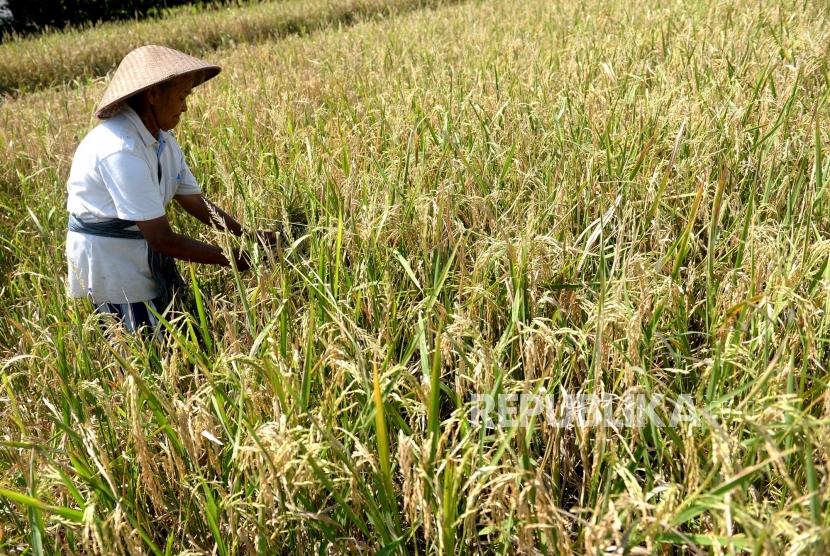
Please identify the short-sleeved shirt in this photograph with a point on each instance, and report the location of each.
(115, 174)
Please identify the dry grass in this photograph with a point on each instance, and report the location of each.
(75, 55)
(504, 196)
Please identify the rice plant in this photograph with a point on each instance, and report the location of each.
(503, 198)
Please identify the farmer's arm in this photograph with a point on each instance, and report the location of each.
(199, 207)
(161, 237)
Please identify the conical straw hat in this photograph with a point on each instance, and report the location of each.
(147, 66)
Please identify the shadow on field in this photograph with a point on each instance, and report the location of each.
(72, 57)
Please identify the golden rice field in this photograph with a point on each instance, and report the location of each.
(88, 52)
(504, 198)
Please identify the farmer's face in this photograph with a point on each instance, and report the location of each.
(169, 101)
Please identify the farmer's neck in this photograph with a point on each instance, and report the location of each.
(146, 113)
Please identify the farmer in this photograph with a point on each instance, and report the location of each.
(120, 246)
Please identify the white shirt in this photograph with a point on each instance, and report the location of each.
(115, 175)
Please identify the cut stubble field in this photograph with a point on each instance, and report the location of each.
(514, 197)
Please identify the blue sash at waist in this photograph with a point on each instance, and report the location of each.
(114, 227)
(162, 267)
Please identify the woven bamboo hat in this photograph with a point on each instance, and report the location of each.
(147, 66)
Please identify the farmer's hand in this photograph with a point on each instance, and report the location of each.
(243, 262)
(268, 237)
